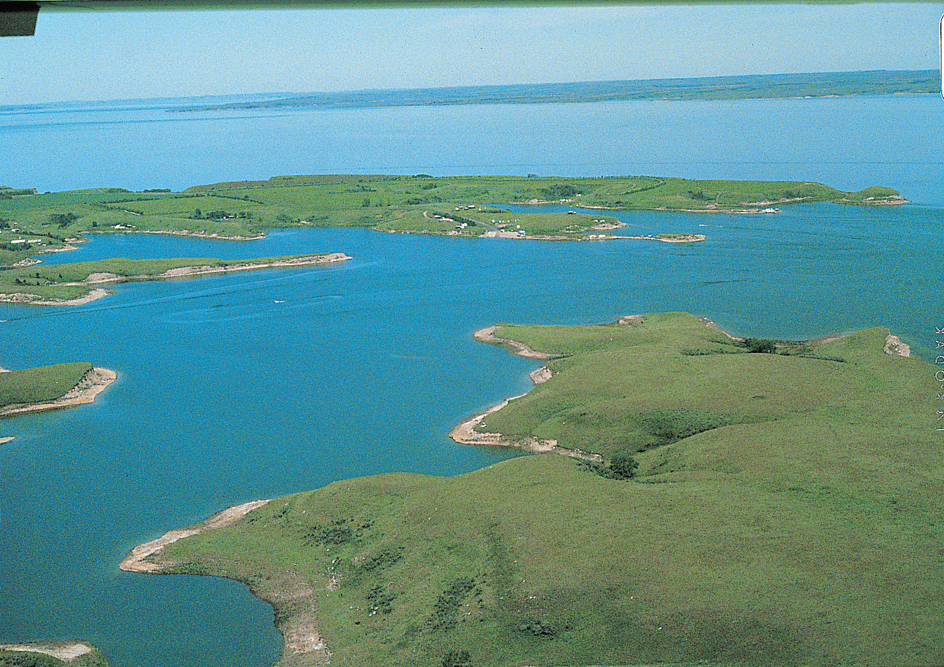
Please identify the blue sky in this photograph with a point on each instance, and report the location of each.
(98, 55)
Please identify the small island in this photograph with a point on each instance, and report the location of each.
(741, 501)
(465, 206)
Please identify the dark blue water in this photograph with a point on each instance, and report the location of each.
(254, 385)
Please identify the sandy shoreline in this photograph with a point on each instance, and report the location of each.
(90, 386)
(182, 272)
(300, 633)
(62, 650)
(487, 335)
(136, 560)
(465, 433)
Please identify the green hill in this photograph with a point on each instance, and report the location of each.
(784, 512)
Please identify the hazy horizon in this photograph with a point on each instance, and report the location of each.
(289, 94)
(90, 56)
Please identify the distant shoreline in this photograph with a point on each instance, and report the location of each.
(740, 87)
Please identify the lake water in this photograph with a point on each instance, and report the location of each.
(254, 385)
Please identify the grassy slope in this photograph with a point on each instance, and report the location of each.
(390, 203)
(65, 281)
(42, 384)
(809, 538)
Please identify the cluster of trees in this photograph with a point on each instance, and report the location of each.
(219, 215)
(10, 193)
(762, 345)
(63, 219)
(622, 466)
(560, 191)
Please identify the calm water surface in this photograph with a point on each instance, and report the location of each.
(254, 385)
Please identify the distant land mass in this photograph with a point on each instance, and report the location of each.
(758, 86)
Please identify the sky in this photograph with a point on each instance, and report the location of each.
(102, 55)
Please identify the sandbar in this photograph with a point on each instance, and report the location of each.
(90, 386)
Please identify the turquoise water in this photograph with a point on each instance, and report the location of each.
(254, 385)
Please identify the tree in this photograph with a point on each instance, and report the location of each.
(623, 466)
(457, 659)
(760, 345)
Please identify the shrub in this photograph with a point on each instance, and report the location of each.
(537, 628)
(762, 345)
(623, 466)
(379, 600)
(450, 602)
(457, 659)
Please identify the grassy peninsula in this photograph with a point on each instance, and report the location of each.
(80, 282)
(775, 503)
(40, 385)
(470, 206)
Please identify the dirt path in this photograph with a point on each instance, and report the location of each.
(62, 650)
(135, 562)
(90, 386)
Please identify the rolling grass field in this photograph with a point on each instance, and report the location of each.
(785, 512)
(38, 223)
